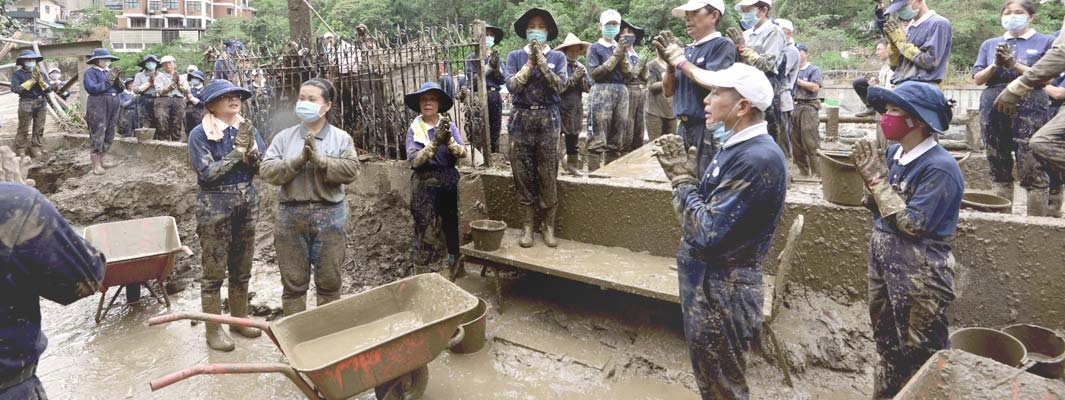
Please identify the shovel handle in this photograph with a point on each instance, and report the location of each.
(212, 318)
(216, 369)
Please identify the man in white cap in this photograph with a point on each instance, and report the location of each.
(709, 52)
(761, 45)
(787, 74)
(608, 109)
(727, 217)
(172, 87)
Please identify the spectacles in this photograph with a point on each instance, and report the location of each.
(229, 96)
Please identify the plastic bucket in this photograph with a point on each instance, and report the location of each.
(474, 325)
(990, 343)
(985, 202)
(1044, 347)
(840, 182)
(487, 234)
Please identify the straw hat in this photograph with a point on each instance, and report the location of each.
(572, 40)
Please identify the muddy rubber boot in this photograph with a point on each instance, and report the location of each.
(573, 165)
(527, 228)
(1037, 202)
(97, 167)
(293, 306)
(594, 161)
(105, 163)
(1054, 204)
(20, 153)
(1005, 191)
(869, 112)
(35, 152)
(549, 227)
(238, 307)
(610, 157)
(323, 300)
(216, 338)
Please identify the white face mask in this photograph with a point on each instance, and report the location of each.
(54, 76)
(105, 64)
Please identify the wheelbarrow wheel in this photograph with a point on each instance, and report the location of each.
(407, 387)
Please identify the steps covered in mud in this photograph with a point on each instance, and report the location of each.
(613, 268)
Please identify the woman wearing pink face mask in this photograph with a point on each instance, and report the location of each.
(914, 191)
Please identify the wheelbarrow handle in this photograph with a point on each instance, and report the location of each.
(457, 338)
(216, 369)
(213, 318)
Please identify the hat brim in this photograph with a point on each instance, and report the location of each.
(495, 32)
(35, 57)
(741, 4)
(583, 47)
(190, 75)
(107, 57)
(411, 99)
(640, 32)
(244, 94)
(679, 11)
(141, 64)
(880, 97)
(895, 6)
(523, 22)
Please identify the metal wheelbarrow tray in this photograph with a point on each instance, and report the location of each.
(137, 250)
(381, 339)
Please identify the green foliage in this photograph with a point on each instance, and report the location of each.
(270, 25)
(83, 23)
(185, 53)
(8, 25)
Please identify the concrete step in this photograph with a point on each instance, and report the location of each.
(612, 268)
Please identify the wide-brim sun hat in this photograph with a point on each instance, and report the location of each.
(895, 6)
(695, 5)
(100, 53)
(750, 82)
(149, 57)
(220, 87)
(523, 22)
(411, 99)
(196, 74)
(573, 40)
(495, 32)
(919, 99)
(639, 31)
(28, 55)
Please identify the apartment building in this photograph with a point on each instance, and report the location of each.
(143, 23)
(39, 18)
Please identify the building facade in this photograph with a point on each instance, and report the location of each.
(40, 18)
(143, 23)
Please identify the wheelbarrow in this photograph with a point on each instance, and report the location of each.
(137, 251)
(381, 339)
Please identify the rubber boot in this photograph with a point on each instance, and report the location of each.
(1037, 202)
(216, 338)
(610, 157)
(1054, 204)
(238, 307)
(549, 227)
(869, 112)
(20, 153)
(293, 306)
(527, 228)
(573, 165)
(97, 167)
(594, 161)
(36, 152)
(1004, 190)
(323, 299)
(105, 163)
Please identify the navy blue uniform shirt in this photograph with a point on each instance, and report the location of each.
(716, 53)
(20, 76)
(1027, 50)
(931, 185)
(492, 81)
(598, 53)
(536, 92)
(208, 171)
(96, 82)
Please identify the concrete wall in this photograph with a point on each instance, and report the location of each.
(1009, 267)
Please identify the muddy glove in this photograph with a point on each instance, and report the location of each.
(736, 35)
(872, 166)
(14, 169)
(443, 131)
(678, 164)
(245, 137)
(310, 149)
(522, 76)
(493, 60)
(535, 53)
(668, 49)
(880, 16)
(115, 75)
(28, 84)
(897, 37)
(1004, 56)
(423, 155)
(1007, 100)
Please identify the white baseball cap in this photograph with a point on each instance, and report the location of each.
(693, 5)
(191, 68)
(609, 16)
(749, 81)
(746, 3)
(785, 24)
(167, 59)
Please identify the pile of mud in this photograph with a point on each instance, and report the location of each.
(379, 226)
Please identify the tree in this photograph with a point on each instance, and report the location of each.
(84, 22)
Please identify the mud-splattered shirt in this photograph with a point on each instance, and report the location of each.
(657, 103)
(96, 82)
(599, 53)
(931, 185)
(728, 220)
(1027, 49)
(495, 78)
(537, 91)
(307, 182)
(20, 76)
(443, 157)
(40, 256)
(208, 158)
(933, 36)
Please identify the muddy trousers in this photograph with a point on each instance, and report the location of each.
(534, 155)
(571, 111)
(146, 111)
(29, 389)
(434, 204)
(658, 126)
(1007, 138)
(1048, 145)
(101, 115)
(637, 108)
(694, 133)
(225, 222)
(310, 239)
(608, 119)
(495, 117)
(170, 116)
(805, 140)
(911, 283)
(774, 122)
(193, 117)
(30, 111)
(722, 310)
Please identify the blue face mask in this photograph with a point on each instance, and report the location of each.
(150, 65)
(630, 39)
(195, 82)
(611, 31)
(717, 128)
(1014, 23)
(29, 64)
(538, 35)
(489, 41)
(906, 13)
(748, 19)
(308, 112)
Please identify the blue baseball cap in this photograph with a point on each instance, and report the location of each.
(803, 47)
(895, 6)
(919, 99)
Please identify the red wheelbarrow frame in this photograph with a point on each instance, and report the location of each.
(138, 270)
